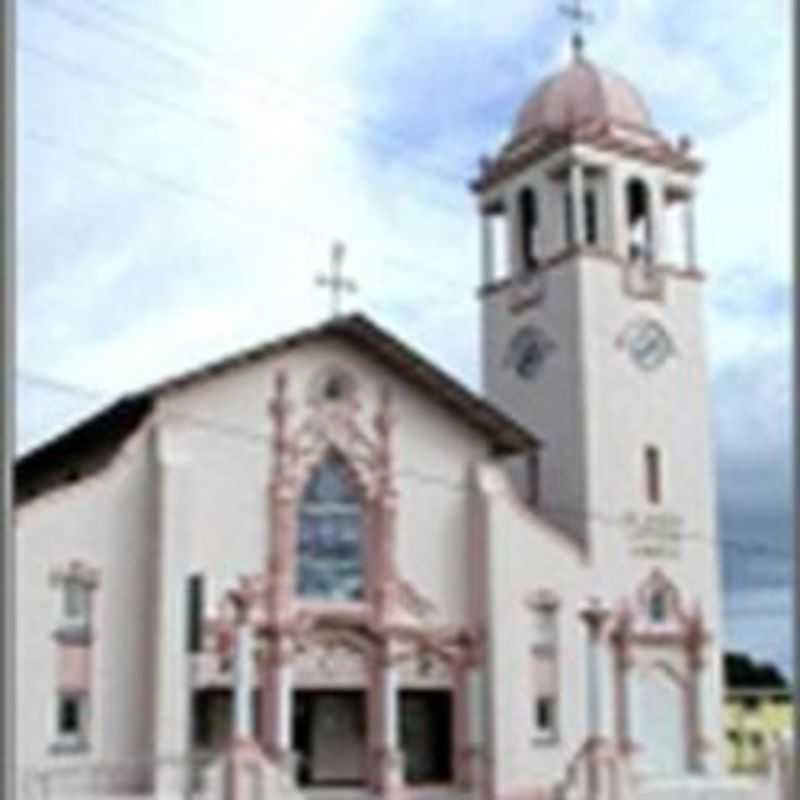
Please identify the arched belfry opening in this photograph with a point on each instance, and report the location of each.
(330, 533)
(528, 210)
(640, 223)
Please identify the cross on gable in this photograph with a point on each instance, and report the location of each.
(579, 16)
(335, 282)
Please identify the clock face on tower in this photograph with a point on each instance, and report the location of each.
(527, 351)
(647, 342)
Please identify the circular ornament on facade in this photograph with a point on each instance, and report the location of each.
(332, 385)
(648, 343)
(527, 351)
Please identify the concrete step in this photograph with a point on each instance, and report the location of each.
(702, 789)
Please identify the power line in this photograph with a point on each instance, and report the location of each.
(221, 124)
(134, 22)
(83, 22)
(193, 192)
(610, 520)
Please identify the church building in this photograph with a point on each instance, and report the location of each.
(331, 556)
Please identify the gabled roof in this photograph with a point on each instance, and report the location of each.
(98, 437)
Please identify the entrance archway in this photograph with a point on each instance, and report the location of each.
(662, 713)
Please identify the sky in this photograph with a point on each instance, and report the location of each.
(185, 167)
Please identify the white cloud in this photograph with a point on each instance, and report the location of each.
(342, 123)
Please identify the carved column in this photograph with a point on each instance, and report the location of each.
(389, 756)
(594, 615)
(243, 763)
(656, 222)
(487, 248)
(384, 516)
(623, 666)
(576, 191)
(514, 233)
(698, 688)
(242, 676)
(276, 698)
(690, 234)
(281, 558)
(618, 214)
(476, 720)
(282, 522)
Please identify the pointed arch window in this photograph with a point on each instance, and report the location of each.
(330, 553)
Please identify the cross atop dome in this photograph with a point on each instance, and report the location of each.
(579, 16)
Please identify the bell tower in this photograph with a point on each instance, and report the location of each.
(592, 330)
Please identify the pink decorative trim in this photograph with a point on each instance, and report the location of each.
(411, 599)
(332, 427)
(519, 154)
(288, 625)
(631, 629)
(74, 667)
(565, 256)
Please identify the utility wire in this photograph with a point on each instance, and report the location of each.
(263, 437)
(193, 192)
(87, 24)
(395, 135)
(219, 123)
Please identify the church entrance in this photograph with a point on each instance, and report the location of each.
(663, 734)
(329, 736)
(426, 735)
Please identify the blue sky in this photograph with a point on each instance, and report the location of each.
(185, 166)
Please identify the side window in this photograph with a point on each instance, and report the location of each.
(545, 669)
(72, 721)
(75, 586)
(569, 226)
(652, 466)
(75, 603)
(545, 716)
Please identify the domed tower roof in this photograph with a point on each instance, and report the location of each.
(582, 94)
(583, 103)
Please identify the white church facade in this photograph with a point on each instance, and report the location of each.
(329, 556)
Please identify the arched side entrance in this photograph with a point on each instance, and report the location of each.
(662, 706)
(659, 669)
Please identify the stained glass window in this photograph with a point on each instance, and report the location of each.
(329, 557)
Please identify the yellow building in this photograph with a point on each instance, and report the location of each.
(753, 718)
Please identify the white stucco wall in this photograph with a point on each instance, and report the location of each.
(105, 522)
(525, 555)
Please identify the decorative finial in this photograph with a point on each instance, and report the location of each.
(579, 16)
(336, 282)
